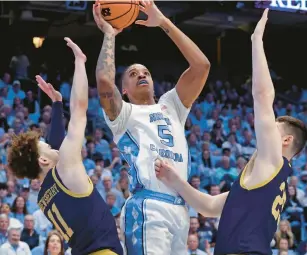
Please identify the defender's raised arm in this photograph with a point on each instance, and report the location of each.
(263, 94)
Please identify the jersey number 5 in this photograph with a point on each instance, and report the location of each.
(167, 138)
(59, 223)
(279, 202)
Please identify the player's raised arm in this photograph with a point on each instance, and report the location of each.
(269, 146)
(209, 206)
(110, 97)
(56, 133)
(74, 139)
(192, 81)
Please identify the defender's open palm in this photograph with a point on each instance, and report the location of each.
(154, 15)
(165, 173)
(48, 89)
(76, 50)
(259, 30)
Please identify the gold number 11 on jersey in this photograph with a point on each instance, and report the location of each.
(279, 201)
(59, 224)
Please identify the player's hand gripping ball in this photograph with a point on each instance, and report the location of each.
(119, 13)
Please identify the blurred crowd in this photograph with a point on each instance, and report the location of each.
(221, 137)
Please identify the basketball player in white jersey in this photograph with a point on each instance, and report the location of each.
(157, 218)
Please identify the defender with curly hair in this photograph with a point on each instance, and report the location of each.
(67, 196)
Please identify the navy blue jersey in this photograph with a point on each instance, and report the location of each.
(84, 220)
(250, 216)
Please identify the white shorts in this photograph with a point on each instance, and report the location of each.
(155, 226)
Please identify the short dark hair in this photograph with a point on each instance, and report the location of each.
(298, 129)
(23, 155)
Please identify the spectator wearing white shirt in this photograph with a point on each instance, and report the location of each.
(14, 246)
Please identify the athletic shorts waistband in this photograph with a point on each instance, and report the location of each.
(145, 193)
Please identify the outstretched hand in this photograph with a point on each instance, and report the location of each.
(76, 50)
(259, 30)
(48, 89)
(154, 15)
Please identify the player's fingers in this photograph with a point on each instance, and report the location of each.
(68, 40)
(141, 22)
(142, 9)
(143, 2)
(51, 87)
(265, 13)
(40, 80)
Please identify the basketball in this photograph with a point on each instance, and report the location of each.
(120, 14)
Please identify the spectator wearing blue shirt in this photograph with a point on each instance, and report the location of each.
(110, 200)
(19, 209)
(89, 164)
(16, 91)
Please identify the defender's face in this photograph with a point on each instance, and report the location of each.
(45, 151)
(137, 80)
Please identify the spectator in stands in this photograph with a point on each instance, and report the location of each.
(34, 189)
(25, 193)
(284, 231)
(123, 186)
(207, 231)
(110, 200)
(29, 234)
(14, 245)
(54, 244)
(13, 223)
(4, 225)
(193, 243)
(11, 195)
(41, 224)
(19, 209)
(16, 91)
(283, 246)
(108, 187)
(89, 164)
(293, 211)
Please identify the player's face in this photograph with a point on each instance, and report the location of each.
(54, 245)
(137, 81)
(46, 152)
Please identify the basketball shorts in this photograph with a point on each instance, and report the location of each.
(155, 223)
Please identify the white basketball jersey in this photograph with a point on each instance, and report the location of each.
(142, 132)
